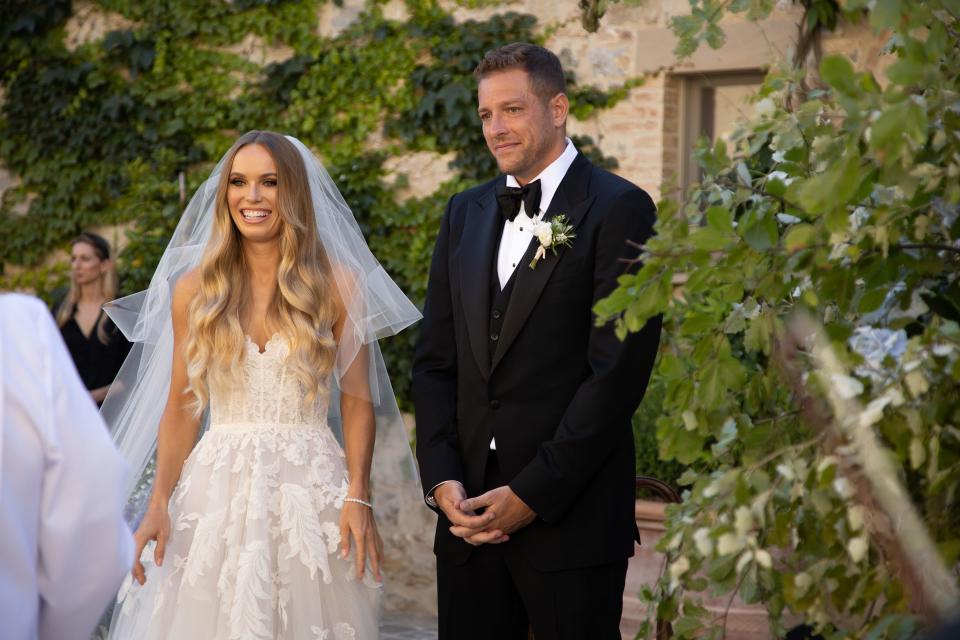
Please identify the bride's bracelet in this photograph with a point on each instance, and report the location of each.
(359, 501)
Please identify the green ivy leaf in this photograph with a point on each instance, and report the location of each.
(871, 300)
(838, 72)
(709, 239)
(759, 230)
(758, 336)
(696, 323)
(686, 625)
(832, 190)
(677, 443)
(885, 14)
(671, 367)
(799, 236)
(711, 386)
(720, 219)
(907, 72)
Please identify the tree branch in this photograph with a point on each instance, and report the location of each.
(726, 610)
(927, 245)
(895, 525)
(800, 446)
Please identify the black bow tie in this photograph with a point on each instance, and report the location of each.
(509, 199)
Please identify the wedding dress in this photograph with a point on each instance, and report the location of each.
(255, 525)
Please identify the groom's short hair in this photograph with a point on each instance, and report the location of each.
(542, 65)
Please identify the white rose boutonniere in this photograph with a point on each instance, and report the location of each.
(553, 233)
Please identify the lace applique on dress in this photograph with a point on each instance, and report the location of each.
(255, 522)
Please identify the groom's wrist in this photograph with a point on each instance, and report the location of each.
(430, 498)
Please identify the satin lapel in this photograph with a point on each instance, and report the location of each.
(571, 200)
(476, 259)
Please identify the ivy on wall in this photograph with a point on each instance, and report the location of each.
(98, 134)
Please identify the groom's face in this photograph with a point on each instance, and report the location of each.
(524, 131)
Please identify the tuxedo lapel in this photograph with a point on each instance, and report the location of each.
(479, 239)
(571, 200)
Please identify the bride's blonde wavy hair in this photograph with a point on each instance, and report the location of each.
(304, 307)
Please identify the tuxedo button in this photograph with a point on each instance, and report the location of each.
(494, 336)
(496, 314)
(494, 404)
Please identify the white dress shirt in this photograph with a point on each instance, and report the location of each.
(64, 546)
(518, 233)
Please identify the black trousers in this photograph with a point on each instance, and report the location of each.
(496, 594)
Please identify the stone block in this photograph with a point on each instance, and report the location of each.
(89, 23)
(424, 172)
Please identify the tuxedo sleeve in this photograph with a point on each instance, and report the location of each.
(434, 379)
(608, 397)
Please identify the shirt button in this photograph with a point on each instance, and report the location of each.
(494, 336)
(494, 404)
(496, 314)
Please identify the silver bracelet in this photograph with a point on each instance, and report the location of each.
(359, 501)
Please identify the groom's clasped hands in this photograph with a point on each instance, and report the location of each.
(503, 513)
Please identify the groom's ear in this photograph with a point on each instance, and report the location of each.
(559, 106)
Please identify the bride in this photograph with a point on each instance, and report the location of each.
(272, 302)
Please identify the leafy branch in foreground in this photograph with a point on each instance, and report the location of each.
(843, 204)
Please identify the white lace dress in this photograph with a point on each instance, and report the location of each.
(254, 546)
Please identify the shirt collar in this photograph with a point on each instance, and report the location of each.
(551, 177)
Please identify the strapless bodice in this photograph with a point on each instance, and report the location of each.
(267, 392)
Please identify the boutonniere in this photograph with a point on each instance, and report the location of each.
(553, 233)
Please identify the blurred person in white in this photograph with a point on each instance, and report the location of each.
(64, 546)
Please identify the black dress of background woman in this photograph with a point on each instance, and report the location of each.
(96, 345)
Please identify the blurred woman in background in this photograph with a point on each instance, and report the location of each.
(96, 346)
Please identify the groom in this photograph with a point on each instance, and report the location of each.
(523, 404)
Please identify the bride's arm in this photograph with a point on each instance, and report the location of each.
(357, 524)
(177, 433)
(179, 425)
(359, 425)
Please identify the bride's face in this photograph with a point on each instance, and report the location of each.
(252, 194)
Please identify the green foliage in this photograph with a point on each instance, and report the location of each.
(649, 461)
(846, 206)
(702, 24)
(591, 11)
(99, 135)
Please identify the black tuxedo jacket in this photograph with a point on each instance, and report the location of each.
(558, 392)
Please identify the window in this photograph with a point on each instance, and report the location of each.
(710, 105)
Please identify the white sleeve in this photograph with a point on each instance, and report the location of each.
(85, 547)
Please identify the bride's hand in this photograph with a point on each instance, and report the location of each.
(357, 525)
(154, 526)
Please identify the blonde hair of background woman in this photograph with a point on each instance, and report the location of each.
(109, 283)
(304, 307)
